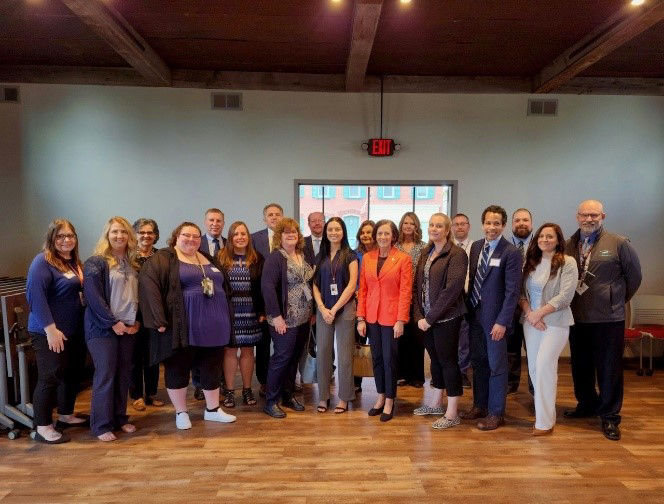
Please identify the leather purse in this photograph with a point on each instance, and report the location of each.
(362, 363)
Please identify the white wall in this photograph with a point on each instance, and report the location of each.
(89, 152)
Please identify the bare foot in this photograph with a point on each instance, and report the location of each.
(128, 428)
(106, 436)
(71, 419)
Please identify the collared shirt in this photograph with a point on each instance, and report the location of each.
(270, 237)
(315, 242)
(492, 245)
(526, 241)
(465, 244)
(210, 243)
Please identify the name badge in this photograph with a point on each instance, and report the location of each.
(581, 288)
(333, 289)
(214, 269)
(494, 262)
(69, 275)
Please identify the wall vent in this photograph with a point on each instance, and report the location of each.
(538, 107)
(8, 94)
(227, 101)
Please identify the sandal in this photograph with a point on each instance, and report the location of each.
(248, 397)
(322, 409)
(229, 398)
(339, 409)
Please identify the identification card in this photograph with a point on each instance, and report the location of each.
(333, 289)
(208, 287)
(581, 288)
(494, 262)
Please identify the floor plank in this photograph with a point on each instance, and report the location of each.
(351, 458)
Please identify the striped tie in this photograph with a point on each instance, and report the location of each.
(479, 277)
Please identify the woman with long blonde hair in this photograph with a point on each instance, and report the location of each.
(110, 286)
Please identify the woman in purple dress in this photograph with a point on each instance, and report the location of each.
(184, 301)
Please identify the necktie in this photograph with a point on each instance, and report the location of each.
(479, 276)
(521, 249)
(316, 245)
(269, 239)
(215, 241)
(585, 250)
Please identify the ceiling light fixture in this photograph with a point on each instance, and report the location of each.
(405, 1)
(636, 3)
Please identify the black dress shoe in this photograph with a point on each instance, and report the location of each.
(578, 413)
(274, 411)
(198, 394)
(64, 438)
(386, 417)
(293, 404)
(60, 425)
(376, 411)
(611, 430)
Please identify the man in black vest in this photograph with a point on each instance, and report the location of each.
(609, 275)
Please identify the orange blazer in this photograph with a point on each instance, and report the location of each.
(385, 298)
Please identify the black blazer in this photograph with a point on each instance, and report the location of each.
(308, 251)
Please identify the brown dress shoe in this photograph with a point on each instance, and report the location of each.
(473, 414)
(542, 432)
(491, 422)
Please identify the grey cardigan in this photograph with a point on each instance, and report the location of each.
(558, 292)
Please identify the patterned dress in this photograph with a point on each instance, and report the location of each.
(245, 327)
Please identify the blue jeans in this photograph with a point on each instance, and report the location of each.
(489, 359)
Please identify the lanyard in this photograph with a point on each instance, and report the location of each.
(334, 263)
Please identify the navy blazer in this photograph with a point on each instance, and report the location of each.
(205, 249)
(261, 242)
(274, 284)
(99, 319)
(501, 287)
(308, 251)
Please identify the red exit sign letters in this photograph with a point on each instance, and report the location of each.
(380, 147)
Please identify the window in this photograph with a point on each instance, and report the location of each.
(355, 192)
(389, 192)
(320, 192)
(424, 192)
(359, 201)
(352, 226)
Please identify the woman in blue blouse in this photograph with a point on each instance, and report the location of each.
(55, 324)
(184, 303)
(334, 288)
(111, 292)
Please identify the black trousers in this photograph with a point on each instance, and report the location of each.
(515, 341)
(141, 372)
(411, 353)
(263, 354)
(597, 357)
(207, 360)
(58, 377)
(384, 356)
(442, 343)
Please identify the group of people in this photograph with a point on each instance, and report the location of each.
(205, 305)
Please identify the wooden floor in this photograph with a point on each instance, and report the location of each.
(311, 457)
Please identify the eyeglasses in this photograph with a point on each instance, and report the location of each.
(593, 216)
(64, 236)
(146, 233)
(191, 236)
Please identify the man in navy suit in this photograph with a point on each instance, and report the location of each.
(494, 286)
(262, 240)
(212, 241)
(316, 222)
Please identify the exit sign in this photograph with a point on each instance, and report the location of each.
(380, 147)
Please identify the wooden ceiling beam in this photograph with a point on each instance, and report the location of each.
(365, 22)
(616, 31)
(109, 24)
(275, 81)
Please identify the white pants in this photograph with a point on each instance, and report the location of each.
(544, 349)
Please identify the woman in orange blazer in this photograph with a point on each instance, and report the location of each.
(382, 310)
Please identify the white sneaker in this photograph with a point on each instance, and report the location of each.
(182, 421)
(218, 416)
